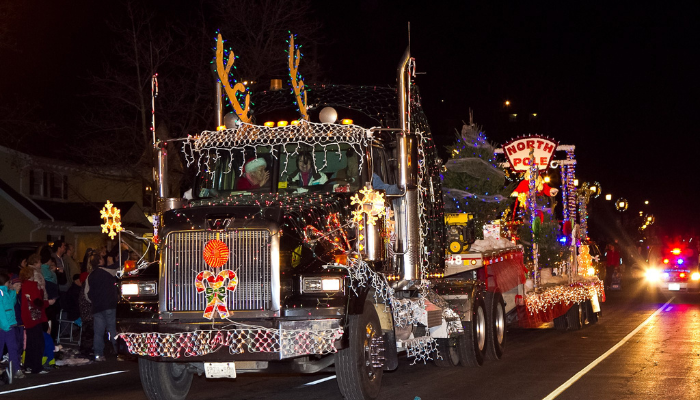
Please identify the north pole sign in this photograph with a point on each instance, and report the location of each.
(518, 151)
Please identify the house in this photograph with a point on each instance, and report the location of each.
(43, 199)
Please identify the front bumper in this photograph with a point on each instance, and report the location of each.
(244, 341)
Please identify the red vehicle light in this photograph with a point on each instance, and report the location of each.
(681, 275)
(665, 260)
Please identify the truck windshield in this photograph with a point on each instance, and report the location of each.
(227, 175)
(321, 168)
(299, 169)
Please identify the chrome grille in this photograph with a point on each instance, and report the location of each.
(249, 258)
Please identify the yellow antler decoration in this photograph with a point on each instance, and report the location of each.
(297, 83)
(223, 75)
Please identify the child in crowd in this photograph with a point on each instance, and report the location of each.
(8, 295)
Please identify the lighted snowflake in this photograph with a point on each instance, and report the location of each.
(371, 204)
(113, 220)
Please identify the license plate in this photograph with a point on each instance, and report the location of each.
(674, 286)
(220, 370)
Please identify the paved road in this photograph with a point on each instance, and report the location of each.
(642, 348)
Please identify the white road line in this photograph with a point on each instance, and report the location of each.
(60, 383)
(328, 378)
(597, 361)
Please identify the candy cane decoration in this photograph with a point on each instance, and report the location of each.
(216, 291)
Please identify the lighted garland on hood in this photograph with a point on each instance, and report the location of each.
(544, 298)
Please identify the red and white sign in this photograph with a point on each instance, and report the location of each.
(518, 152)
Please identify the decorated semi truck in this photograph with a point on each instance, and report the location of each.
(314, 236)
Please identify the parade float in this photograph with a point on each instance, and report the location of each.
(314, 236)
(553, 279)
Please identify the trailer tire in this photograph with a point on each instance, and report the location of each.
(495, 326)
(472, 344)
(575, 317)
(357, 378)
(448, 354)
(592, 316)
(560, 323)
(164, 380)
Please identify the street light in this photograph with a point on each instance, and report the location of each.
(507, 103)
(646, 201)
(608, 197)
(621, 204)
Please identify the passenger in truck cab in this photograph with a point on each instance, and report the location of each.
(307, 174)
(255, 175)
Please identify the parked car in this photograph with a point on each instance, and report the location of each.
(11, 254)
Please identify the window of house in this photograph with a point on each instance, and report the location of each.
(59, 186)
(147, 194)
(45, 184)
(37, 182)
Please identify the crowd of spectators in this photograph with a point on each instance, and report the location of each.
(50, 285)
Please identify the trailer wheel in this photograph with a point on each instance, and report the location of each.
(495, 325)
(472, 344)
(592, 316)
(575, 317)
(164, 380)
(448, 353)
(358, 378)
(560, 323)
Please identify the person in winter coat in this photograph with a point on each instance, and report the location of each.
(102, 292)
(255, 175)
(307, 175)
(33, 315)
(8, 296)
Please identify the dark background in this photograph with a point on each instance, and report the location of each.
(616, 79)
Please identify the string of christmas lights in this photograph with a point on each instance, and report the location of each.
(543, 299)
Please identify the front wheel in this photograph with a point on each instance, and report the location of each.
(164, 380)
(472, 344)
(448, 354)
(358, 367)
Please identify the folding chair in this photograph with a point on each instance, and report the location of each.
(66, 327)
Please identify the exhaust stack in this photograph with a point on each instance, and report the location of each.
(407, 218)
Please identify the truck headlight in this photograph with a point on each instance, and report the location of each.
(139, 289)
(319, 284)
(695, 276)
(653, 275)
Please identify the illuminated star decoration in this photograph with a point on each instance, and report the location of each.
(371, 204)
(113, 220)
(216, 253)
(215, 291)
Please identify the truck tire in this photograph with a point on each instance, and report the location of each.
(592, 316)
(495, 326)
(472, 344)
(560, 323)
(575, 317)
(357, 378)
(448, 354)
(164, 380)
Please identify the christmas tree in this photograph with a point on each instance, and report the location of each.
(472, 181)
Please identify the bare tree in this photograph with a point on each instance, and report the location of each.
(8, 14)
(180, 49)
(258, 31)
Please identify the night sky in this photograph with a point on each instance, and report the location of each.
(616, 79)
